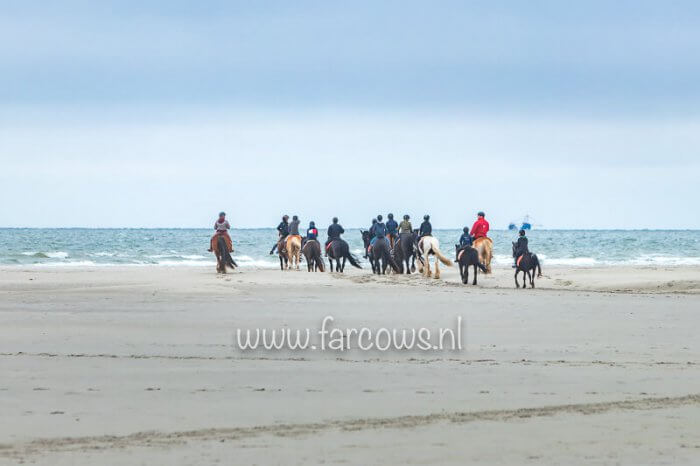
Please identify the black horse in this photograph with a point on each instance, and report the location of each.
(312, 253)
(466, 258)
(526, 263)
(405, 251)
(339, 250)
(379, 254)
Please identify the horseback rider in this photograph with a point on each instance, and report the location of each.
(371, 235)
(392, 229)
(294, 227)
(378, 230)
(465, 241)
(221, 227)
(480, 227)
(405, 225)
(426, 229)
(334, 232)
(282, 232)
(312, 232)
(520, 247)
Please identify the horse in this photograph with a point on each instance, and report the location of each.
(338, 249)
(366, 240)
(381, 257)
(526, 263)
(312, 253)
(430, 246)
(484, 246)
(293, 251)
(282, 253)
(465, 258)
(223, 255)
(405, 251)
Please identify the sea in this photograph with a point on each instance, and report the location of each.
(65, 247)
(61, 247)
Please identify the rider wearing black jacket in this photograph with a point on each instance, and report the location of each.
(282, 231)
(426, 229)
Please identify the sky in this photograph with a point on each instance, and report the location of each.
(161, 114)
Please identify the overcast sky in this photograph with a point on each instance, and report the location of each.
(162, 113)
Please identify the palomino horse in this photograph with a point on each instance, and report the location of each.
(312, 253)
(293, 251)
(223, 249)
(484, 246)
(430, 246)
(338, 249)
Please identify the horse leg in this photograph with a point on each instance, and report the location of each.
(532, 279)
(517, 285)
(526, 277)
(474, 283)
(342, 268)
(437, 268)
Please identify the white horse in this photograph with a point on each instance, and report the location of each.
(430, 246)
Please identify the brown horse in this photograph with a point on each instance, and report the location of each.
(223, 250)
(312, 253)
(282, 253)
(484, 246)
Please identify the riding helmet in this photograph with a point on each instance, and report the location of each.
(465, 229)
(222, 214)
(391, 216)
(426, 217)
(379, 218)
(481, 214)
(335, 219)
(406, 217)
(522, 232)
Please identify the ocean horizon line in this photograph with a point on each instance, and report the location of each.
(349, 228)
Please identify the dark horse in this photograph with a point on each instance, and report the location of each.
(282, 252)
(339, 250)
(466, 258)
(405, 251)
(379, 254)
(526, 263)
(312, 253)
(223, 257)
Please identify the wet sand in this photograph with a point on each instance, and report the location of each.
(136, 365)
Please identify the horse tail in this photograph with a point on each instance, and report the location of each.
(353, 261)
(442, 258)
(537, 263)
(392, 262)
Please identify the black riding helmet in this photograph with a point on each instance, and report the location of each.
(295, 218)
(374, 220)
(335, 219)
(466, 230)
(522, 232)
(379, 217)
(406, 217)
(426, 217)
(391, 216)
(312, 224)
(481, 214)
(285, 218)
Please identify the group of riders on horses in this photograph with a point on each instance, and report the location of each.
(390, 231)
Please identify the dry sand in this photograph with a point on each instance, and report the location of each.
(136, 366)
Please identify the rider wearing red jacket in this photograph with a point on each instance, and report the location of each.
(480, 227)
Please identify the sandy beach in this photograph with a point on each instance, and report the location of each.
(136, 365)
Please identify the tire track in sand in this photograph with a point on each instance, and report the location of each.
(159, 438)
